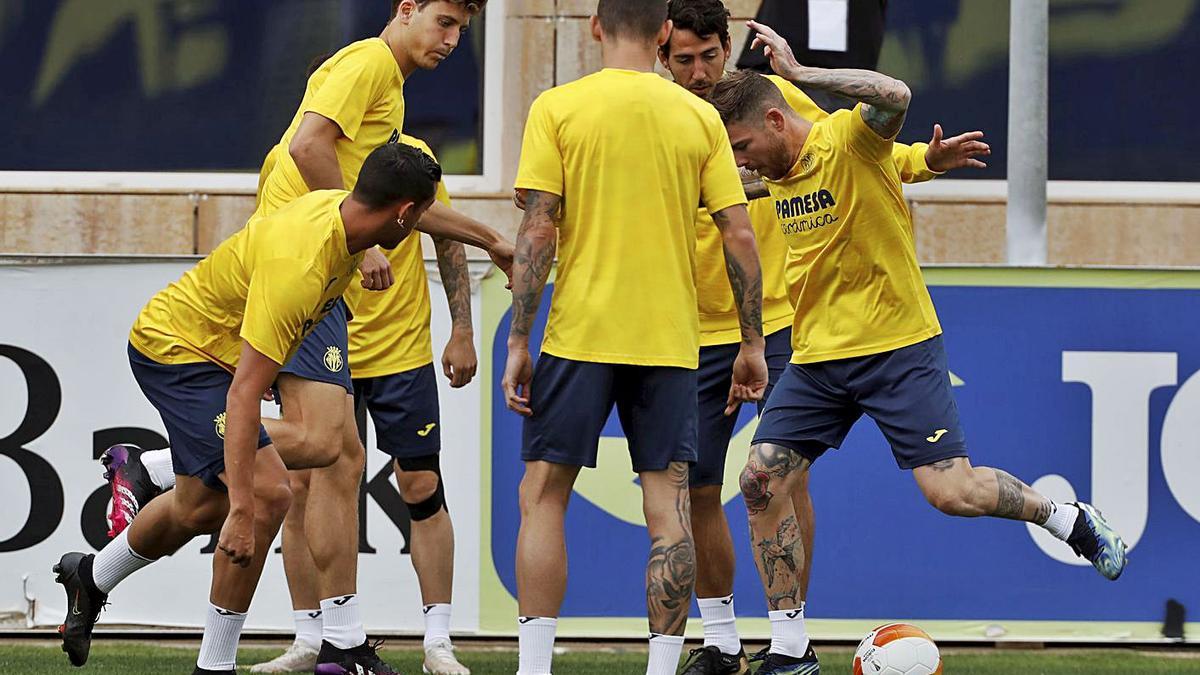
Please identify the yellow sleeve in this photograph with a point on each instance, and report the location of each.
(860, 138)
(541, 166)
(278, 304)
(442, 195)
(798, 100)
(350, 88)
(910, 160)
(720, 184)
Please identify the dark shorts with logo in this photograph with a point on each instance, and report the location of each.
(322, 355)
(571, 401)
(404, 408)
(191, 400)
(715, 377)
(906, 391)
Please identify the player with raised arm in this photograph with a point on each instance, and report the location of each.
(612, 168)
(866, 338)
(203, 350)
(696, 56)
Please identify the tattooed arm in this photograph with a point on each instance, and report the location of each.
(885, 99)
(444, 222)
(458, 358)
(745, 277)
(537, 241)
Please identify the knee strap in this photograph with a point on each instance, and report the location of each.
(430, 507)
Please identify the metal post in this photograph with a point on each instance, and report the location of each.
(1027, 124)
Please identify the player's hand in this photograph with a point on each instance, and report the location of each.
(776, 49)
(749, 378)
(376, 271)
(519, 198)
(502, 255)
(518, 373)
(237, 537)
(458, 359)
(957, 152)
(752, 184)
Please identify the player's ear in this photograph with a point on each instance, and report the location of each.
(728, 47)
(664, 33)
(775, 119)
(597, 31)
(404, 213)
(406, 10)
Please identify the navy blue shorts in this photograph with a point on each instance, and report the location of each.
(571, 400)
(322, 354)
(191, 400)
(715, 377)
(404, 408)
(906, 391)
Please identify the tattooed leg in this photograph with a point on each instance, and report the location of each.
(671, 570)
(806, 519)
(956, 488)
(771, 476)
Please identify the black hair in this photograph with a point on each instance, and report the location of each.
(396, 173)
(702, 17)
(635, 19)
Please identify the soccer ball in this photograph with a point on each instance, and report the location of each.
(897, 649)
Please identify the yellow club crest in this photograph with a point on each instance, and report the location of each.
(219, 424)
(333, 359)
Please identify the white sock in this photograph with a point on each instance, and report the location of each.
(158, 465)
(218, 647)
(788, 636)
(341, 624)
(535, 637)
(1061, 520)
(437, 623)
(720, 624)
(308, 627)
(664, 654)
(116, 561)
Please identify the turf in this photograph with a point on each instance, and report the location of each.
(142, 659)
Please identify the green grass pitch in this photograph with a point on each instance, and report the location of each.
(138, 658)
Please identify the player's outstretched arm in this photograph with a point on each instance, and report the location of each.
(441, 221)
(745, 277)
(537, 242)
(885, 99)
(458, 359)
(254, 375)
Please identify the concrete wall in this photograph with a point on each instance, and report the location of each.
(548, 42)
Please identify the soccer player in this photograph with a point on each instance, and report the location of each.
(391, 359)
(866, 338)
(612, 168)
(353, 103)
(696, 56)
(203, 351)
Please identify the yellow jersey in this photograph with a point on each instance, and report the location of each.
(389, 330)
(852, 260)
(268, 285)
(360, 89)
(719, 323)
(632, 155)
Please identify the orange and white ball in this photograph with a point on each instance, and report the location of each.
(897, 649)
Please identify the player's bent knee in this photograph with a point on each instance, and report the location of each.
(421, 487)
(275, 498)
